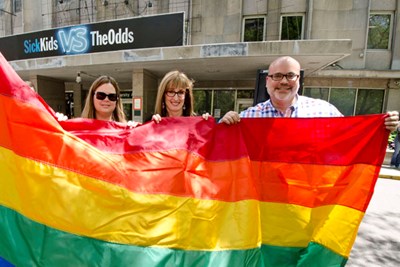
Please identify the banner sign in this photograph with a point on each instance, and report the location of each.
(141, 32)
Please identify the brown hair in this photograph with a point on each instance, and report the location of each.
(175, 79)
(89, 110)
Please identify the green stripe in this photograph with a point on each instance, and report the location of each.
(315, 255)
(24, 242)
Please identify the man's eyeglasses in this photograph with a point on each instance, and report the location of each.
(173, 93)
(279, 76)
(102, 96)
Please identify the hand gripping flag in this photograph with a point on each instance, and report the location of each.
(185, 192)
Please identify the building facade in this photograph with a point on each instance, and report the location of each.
(349, 51)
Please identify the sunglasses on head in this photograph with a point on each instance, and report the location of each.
(102, 96)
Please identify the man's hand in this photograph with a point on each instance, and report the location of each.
(231, 117)
(392, 121)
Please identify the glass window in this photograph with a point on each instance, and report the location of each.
(218, 102)
(224, 101)
(292, 28)
(1, 7)
(253, 29)
(243, 104)
(17, 6)
(245, 94)
(69, 102)
(202, 101)
(127, 107)
(379, 31)
(366, 101)
(320, 93)
(369, 101)
(343, 99)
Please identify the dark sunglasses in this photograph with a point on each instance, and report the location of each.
(102, 96)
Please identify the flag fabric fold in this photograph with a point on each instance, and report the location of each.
(185, 192)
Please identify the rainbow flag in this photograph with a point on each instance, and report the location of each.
(185, 192)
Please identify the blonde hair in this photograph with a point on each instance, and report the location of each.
(176, 79)
(89, 110)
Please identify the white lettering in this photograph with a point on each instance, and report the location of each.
(111, 37)
(122, 36)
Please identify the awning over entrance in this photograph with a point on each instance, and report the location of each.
(227, 61)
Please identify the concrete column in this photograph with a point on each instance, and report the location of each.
(273, 19)
(52, 91)
(7, 19)
(396, 39)
(144, 87)
(393, 95)
(78, 101)
(32, 21)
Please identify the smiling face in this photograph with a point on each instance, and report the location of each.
(174, 100)
(283, 92)
(104, 108)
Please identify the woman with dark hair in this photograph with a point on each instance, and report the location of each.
(103, 101)
(175, 97)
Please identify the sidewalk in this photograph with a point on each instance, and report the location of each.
(389, 173)
(378, 239)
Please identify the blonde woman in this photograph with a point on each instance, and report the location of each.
(175, 97)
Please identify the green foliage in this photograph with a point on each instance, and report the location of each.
(369, 101)
(254, 30)
(392, 136)
(379, 31)
(292, 28)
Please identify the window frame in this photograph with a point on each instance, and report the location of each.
(213, 93)
(264, 17)
(384, 99)
(292, 15)
(17, 6)
(390, 30)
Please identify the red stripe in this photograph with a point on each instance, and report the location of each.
(342, 141)
(13, 86)
(335, 141)
(332, 141)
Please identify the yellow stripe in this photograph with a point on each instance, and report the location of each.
(333, 226)
(85, 206)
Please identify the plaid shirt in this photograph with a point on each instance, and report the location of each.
(305, 107)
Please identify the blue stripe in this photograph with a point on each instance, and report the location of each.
(4, 263)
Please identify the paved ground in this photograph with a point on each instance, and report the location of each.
(378, 239)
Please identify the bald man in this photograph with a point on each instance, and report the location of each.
(283, 85)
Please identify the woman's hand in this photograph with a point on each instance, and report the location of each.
(61, 117)
(133, 124)
(205, 116)
(156, 118)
